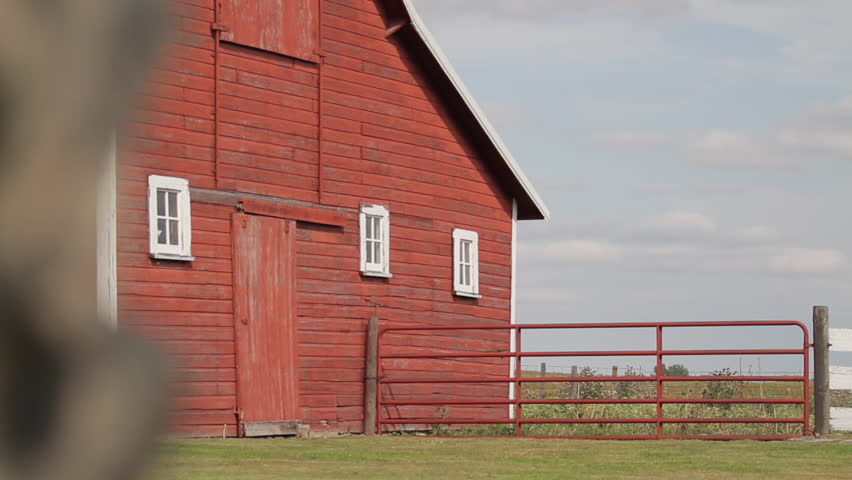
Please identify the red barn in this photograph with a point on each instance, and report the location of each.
(296, 167)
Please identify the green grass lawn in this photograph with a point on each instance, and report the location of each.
(400, 458)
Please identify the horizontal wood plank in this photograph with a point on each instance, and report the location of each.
(840, 339)
(840, 378)
(271, 429)
(295, 212)
(841, 419)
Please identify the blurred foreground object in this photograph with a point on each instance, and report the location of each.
(78, 401)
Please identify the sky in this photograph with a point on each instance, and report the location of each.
(696, 156)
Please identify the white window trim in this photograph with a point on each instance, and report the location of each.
(182, 251)
(459, 289)
(373, 269)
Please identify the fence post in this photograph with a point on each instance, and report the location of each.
(575, 387)
(542, 385)
(822, 395)
(371, 377)
(613, 387)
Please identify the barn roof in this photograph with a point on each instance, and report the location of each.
(407, 25)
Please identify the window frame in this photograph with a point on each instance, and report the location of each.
(374, 269)
(461, 236)
(183, 250)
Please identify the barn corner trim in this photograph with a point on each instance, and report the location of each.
(530, 204)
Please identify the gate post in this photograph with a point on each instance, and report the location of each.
(822, 395)
(371, 377)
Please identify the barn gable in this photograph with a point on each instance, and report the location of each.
(407, 25)
(307, 137)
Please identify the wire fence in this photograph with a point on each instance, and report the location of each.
(682, 389)
(608, 370)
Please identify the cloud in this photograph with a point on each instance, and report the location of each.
(546, 10)
(687, 257)
(807, 260)
(632, 139)
(830, 116)
(809, 34)
(692, 189)
(805, 40)
(822, 133)
(757, 234)
(545, 32)
(576, 251)
(680, 223)
(684, 241)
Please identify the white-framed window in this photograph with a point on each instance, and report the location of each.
(169, 217)
(466, 263)
(375, 240)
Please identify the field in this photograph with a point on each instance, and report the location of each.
(594, 393)
(401, 458)
(687, 390)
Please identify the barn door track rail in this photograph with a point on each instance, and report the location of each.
(421, 387)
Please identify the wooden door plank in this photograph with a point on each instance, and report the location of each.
(264, 284)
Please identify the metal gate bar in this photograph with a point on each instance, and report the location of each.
(659, 378)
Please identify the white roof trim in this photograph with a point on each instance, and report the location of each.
(432, 44)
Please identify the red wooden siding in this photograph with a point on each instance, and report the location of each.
(385, 138)
(186, 309)
(268, 124)
(264, 250)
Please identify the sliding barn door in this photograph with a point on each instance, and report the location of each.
(264, 254)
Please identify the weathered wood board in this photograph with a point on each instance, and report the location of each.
(271, 429)
(841, 419)
(840, 378)
(840, 339)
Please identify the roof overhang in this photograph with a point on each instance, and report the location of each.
(407, 25)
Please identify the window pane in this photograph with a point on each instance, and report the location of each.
(369, 248)
(173, 204)
(377, 253)
(368, 234)
(161, 203)
(466, 275)
(161, 231)
(173, 232)
(378, 225)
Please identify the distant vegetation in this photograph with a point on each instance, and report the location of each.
(676, 370)
(715, 389)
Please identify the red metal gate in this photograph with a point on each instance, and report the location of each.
(403, 352)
